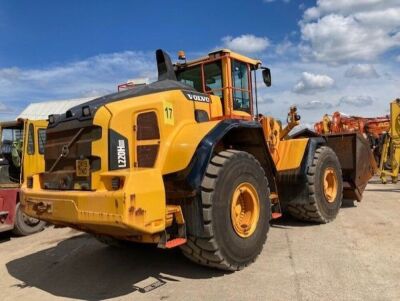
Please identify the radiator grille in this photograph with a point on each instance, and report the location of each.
(147, 126)
(147, 139)
(147, 155)
(63, 174)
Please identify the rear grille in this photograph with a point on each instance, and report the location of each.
(147, 155)
(147, 136)
(147, 126)
(63, 174)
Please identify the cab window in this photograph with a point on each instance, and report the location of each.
(212, 78)
(191, 77)
(41, 140)
(241, 90)
(31, 140)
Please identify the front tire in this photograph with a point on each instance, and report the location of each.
(25, 225)
(236, 212)
(325, 185)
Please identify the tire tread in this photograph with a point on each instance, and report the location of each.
(310, 212)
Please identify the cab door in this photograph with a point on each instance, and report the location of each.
(34, 143)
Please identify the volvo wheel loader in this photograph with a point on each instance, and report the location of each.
(188, 161)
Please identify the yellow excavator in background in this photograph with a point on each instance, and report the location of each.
(391, 146)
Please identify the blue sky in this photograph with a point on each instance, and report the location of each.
(325, 56)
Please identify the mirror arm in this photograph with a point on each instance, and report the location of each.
(255, 91)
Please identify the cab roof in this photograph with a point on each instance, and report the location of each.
(224, 51)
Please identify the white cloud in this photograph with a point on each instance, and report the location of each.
(283, 47)
(347, 7)
(310, 83)
(362, 71)
(264, 99)
(246, 43)
(95, 92)
(340, 31)
(316, 105)
(386, 19)
(347, 40)
(8, 74)
(356, 101)
(5, 109)
(311, 13)
(382, 90)
(338, 39)
(95, 75)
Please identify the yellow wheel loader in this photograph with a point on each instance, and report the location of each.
(391, 146)
(21, 155)
(188, 161)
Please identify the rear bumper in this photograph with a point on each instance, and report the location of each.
(138, 207)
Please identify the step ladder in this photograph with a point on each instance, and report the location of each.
(174, 217)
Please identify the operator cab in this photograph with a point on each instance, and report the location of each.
(13, 152)
(227, 75)
(11, 134)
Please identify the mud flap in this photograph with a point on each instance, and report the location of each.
(357, 161)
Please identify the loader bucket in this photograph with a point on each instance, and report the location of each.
(357, 161)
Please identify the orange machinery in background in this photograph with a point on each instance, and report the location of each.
(372, 128)
(339, 123)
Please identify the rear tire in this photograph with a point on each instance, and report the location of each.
(323, 204)
(234, 191)
(25, 225)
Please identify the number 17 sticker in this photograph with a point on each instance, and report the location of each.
(168, 113)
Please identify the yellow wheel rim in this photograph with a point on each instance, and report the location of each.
(245, 210)
(330, 184)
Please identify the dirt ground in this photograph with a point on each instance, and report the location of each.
(357, 257)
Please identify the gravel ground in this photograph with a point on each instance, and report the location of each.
(357, 257)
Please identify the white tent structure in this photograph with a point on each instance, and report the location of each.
(41, 110)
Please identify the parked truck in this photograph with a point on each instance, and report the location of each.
(188, 161)
(21, 155)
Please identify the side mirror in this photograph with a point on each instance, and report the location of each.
(266, 74)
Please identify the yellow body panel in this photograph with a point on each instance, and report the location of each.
(291, 153)
(138, 207)
(287, 154)
(178, 139)
(100, 147)
(184, 144)
(32, 163)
